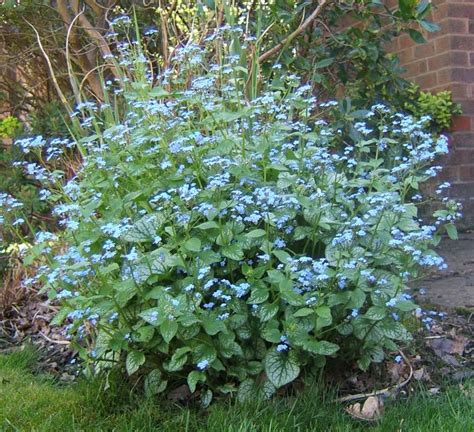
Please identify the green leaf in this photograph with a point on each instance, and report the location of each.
(125, 291)
(324, 63)
(145, 333)
(178, 359)
(208, 225)
(134, 360)
(320, 347)
(168, 329)
(154, 383)
(144, 229)
(452, 231)
(233, 252)
(206, 398)
(152, 316)
(258, 295)
(303, 312)
(193, 378)
(376, 313)
(158, 92)
(416, 36)
(429, 26)
(204, 352)
(247, 391)
(267, 311)
(256, 233)
(324, 312)
(282, 255)
(281, 368)
(357, 299)
(393, 330)
(272, 335)
(406, 306)
(192, 245)
(212, 325)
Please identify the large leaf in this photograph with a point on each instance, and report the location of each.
(168, 329)
(320, 347)
(154, 383)
(134, 360)
(192, 245)
(193, 378)
(144, 229)
(178, 359)
(281, 368)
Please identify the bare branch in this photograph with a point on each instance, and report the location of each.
(293, 35)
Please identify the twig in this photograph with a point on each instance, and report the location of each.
(51, 70)
(72, 80)
(59, 342)
(293, 35)
(384, 392)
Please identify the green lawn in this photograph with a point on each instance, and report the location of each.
(33, 402)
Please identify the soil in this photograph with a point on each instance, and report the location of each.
(452, 288)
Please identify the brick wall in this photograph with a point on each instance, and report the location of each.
(446, 62)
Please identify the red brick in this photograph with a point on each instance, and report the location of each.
(471, 58)
(406, 56)
(425, 50)
(463, 75)
(461, 10)
(393, 46)
(461, 123)
(416, 68)
(463, 191)
(459, 156)
(444, 76)
(405, 41)
(459, 58)
(456, 26)
(440, 12)
(462, 42)
(447, 59)
(460, 90)
(449, 173)
(463, 141)
(466, 173)
(467, 106)
(426, 81)
(443, 44)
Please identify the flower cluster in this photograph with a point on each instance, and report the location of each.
(210, 234)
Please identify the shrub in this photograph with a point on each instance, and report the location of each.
(10, 127)
(230, 242)
(439, 107)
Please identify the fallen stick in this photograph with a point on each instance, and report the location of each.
(384, 392)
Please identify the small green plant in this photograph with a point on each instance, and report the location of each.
(10, 127)
(233, 243)
(440, 106)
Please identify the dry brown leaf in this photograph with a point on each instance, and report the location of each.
(370, 411)
(418, 374)
(179, 394)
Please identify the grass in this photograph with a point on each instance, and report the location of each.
(34, 402)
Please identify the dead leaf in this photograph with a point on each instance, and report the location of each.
(443, 346)
(179, 394)
(370, 411)
(434, 391)
(418, 374)
(462, 375)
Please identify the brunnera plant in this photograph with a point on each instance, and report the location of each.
(230, 243)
